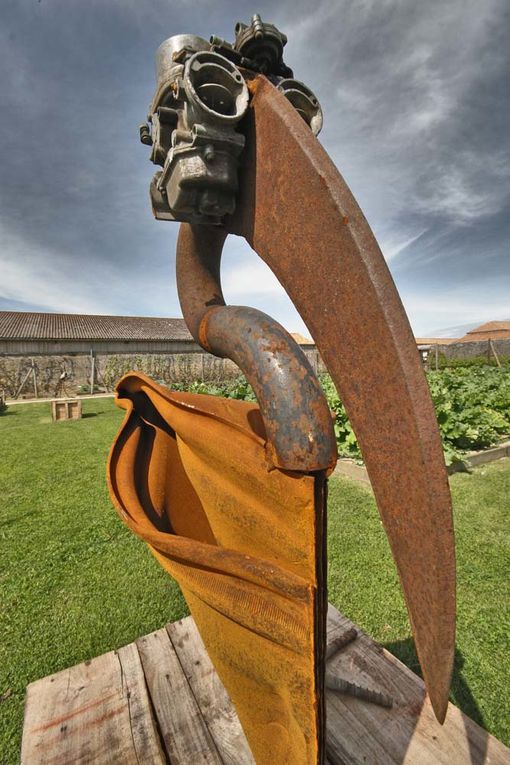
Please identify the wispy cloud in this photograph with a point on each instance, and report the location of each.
(36, 277)
(393, 245)
(457, 306)
(417, 118)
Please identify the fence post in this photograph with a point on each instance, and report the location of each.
(34, 376)
(492, 347)
(92, 370)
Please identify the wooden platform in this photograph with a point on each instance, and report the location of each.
(160, 701)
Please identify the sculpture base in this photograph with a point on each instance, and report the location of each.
(159, 700)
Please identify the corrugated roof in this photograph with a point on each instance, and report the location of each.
(24, 325)
(495, 330)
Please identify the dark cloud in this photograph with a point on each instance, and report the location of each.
(416, 108)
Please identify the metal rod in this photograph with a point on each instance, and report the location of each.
(340, 685)
(34, 374)
(294, 409)
(340, 642)
(92, 371)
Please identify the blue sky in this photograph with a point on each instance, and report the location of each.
(417, 118)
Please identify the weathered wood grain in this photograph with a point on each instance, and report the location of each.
(212, 698)
(100, 711)
(146, 741)
(361, 733)
(96, 712)
(184, 732)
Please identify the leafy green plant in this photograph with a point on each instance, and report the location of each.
(472, 405)
(474, 361)
(345, 438)
(238, 388)
(85, 389)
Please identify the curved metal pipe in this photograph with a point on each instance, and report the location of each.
(296, 416)
(298, 214)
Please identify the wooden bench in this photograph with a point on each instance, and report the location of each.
(159, 700)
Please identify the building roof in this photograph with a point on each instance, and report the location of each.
(494, 330)
(24, 325)
(435, 340)
(301, 340)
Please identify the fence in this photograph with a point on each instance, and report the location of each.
(47, 376)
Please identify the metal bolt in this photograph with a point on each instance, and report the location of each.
(257, 26)
(145, 134)
(209, 153)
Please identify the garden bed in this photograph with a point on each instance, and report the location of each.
(356, 470)
(472, 406)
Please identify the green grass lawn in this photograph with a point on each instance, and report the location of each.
(74, 582)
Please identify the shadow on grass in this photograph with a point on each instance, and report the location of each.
(90, 414)
(460, 694)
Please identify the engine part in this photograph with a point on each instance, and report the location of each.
(193, 122)
(262, 44)
(200, 98)
(304, 101)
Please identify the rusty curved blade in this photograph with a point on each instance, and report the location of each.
(298, 214)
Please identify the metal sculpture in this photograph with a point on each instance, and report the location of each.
(231, 497)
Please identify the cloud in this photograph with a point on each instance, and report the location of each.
(393, 244)
(457, 307)
(417, 118)
(42, 279)
(250, 279)
(38, 279)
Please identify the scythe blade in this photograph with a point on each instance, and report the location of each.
(298, 214)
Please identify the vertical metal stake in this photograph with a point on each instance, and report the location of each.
(92, 370)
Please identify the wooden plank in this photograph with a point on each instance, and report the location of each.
(214, 702)
(146, 741)
(184, 732)
(100, 711)
(408, 734)
(91, 713)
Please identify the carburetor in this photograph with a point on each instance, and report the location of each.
(193, 122)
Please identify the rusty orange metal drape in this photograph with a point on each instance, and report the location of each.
(189, 474)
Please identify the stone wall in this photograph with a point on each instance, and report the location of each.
(475, 350)
(164, 368)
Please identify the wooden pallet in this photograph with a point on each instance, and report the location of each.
(159, 700)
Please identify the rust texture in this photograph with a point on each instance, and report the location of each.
(189, 475)
(297, 420)
(231, 496)
(298, 214)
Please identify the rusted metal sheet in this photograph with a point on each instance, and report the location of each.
(189, 475)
